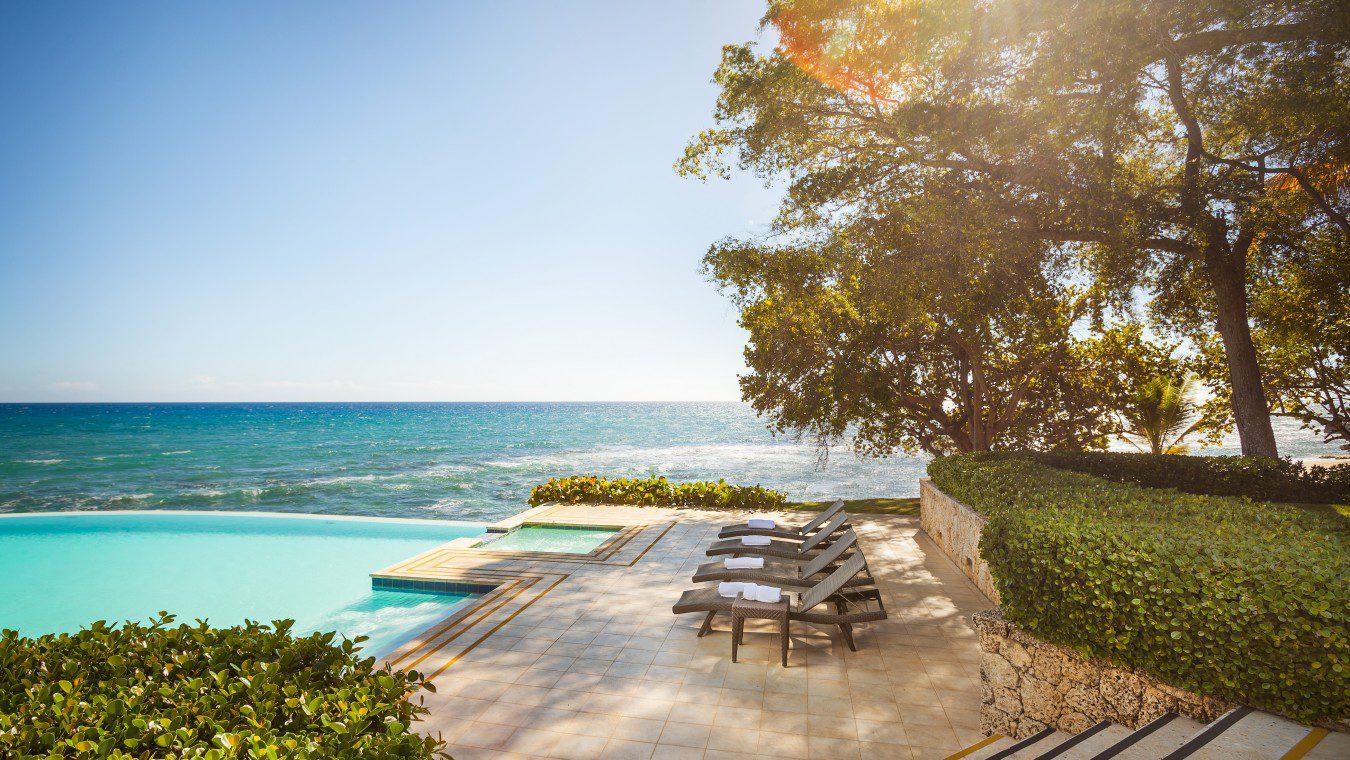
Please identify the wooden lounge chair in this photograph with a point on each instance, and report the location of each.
(828, 602)
(791, 532)
(792, 550)
(789, 575)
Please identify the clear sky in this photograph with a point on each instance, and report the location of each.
(363, 201)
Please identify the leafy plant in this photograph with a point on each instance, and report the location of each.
(1161, 413)
(159, 690)
(1221, 595)
(655, 491)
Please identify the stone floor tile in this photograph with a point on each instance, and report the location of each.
(823, 748)
(676, 752)
(685, 734)
(623, 749)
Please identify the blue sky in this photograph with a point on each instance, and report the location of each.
(363, 201)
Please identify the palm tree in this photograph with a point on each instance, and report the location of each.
(1161, 413)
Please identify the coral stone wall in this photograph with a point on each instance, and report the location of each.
(1029, 684)
(956, 528)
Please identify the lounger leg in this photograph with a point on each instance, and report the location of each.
(736, 625)
(707, 624)
(848, 635)
(783, 632)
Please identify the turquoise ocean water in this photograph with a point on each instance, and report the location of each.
(463, 461)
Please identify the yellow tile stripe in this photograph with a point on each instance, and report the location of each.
(1305, 745)
(496, 595)
(975, 747)
(508, 619)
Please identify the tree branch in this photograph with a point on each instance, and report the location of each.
(1206, 42)
(1318, 198)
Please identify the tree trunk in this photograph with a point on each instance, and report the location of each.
(1250, 410)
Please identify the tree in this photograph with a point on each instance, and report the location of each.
(1301, 312)
(1141, 137)
(941, 333)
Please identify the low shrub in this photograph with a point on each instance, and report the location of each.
(1221, 595)
(158, 690)
(1260, 478)
(655, 491)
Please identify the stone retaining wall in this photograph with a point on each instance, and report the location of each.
(1029, 684)
(956, 528)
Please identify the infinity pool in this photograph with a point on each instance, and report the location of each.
(59, 572)
(567, 539)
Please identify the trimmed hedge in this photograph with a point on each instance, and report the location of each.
(1220, 595)
(157, 690)
(655, 491)
(1259, 478)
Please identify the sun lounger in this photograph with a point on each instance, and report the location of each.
(783, 549)
(792, 532)
(829, 602)
(795, 575)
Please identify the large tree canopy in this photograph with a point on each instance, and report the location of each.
(1159, 142)
(941, 333)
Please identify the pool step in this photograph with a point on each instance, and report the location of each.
(1241, 734)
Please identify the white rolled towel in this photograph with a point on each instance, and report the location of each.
(755, 540)
(732, 589)
(768, 594)
(743, 563)
(759, 523)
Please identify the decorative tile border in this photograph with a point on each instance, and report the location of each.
(387, 583)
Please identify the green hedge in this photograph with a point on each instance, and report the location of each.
(1221, 595)
(1254, 477)
(655, 491)
(158, 690)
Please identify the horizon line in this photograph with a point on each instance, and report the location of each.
(422, 401)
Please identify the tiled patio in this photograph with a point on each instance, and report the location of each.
(582, 658)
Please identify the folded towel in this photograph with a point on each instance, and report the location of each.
(754, 540)
(743, 563)
(731, 588)
(768, 594)
(760, 523)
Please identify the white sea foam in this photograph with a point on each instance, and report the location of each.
(39, 461)
(171, 453)
(448, 506)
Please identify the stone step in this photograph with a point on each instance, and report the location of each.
(1006, 748)
(1087, 743)
(1331, 746)
(1154, 740)
(1041, 747)
(1250, 735)
(1241, 734)
(1244, 734)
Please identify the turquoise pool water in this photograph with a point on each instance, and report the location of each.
(550, 538)
(60, 572)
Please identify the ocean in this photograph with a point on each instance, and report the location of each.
(462, 461)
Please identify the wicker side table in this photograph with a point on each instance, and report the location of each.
(745, 609)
